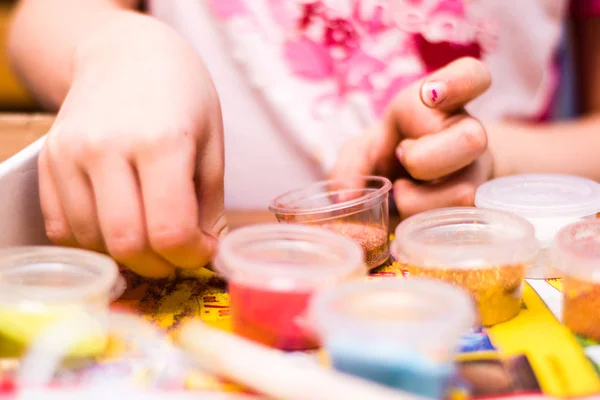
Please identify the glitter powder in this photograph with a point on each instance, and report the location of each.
(270, 317)
(398, 367)
(373, 239)
(581, 307)
(485, 252)
(496, 290)
(360, 212)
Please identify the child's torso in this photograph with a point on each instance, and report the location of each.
(298, 78)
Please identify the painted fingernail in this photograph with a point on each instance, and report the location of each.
(433, 93)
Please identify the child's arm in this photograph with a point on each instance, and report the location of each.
(133, 165)
(45, 34)
(570, 147)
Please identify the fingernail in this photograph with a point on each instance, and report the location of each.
(400, 154)
(433, 93)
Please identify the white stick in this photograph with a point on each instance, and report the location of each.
(275, 373)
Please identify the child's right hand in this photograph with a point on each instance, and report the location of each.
(133, 165)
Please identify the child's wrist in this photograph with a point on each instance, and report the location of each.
(121, 37)
(497, 140)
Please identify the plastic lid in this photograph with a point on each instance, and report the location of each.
(541, 195)
(54, 274)
(464, 237)
(576, 250)
(287, 256)
(393, 307)
(323, 198)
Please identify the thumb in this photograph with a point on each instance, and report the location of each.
(360, 157)
(425, 107)
(450, 88)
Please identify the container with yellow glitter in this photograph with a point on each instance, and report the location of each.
(548, 201)
(484, 251)
(42, 287)
(357, 209)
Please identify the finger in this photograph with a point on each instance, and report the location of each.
(355, 160)
(209, 182)
(57, 226)
(76, 196)
(457, 191)
(121, 216)
(453, 86)
(437, 155)
(171, 207)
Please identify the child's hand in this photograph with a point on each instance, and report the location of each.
(134, 163)
(428, 142)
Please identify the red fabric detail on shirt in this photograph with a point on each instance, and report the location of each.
(437, 55)
(585, 8)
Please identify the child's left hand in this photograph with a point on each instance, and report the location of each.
(433, 149)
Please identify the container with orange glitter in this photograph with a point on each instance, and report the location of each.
(272, 271)
(576, 253)
(359, 210)
(484, 251)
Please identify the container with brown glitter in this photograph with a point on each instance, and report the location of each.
(576, 254)
(359, 210)
(486, 252)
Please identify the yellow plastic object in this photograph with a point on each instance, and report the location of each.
(21, 327)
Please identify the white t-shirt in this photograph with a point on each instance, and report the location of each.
(297, 78)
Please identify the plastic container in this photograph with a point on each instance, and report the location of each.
(272, 271)
(398, 332)
(42, 286)
(576, 254)
(548, 201)
(145, 351)
(484, 251)
(360, 212)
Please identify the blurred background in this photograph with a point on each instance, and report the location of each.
(13, 96)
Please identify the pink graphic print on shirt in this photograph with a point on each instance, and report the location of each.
(351, 42)
(328, 68)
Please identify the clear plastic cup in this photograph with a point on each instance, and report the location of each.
(360, 212)
(41, 286)
(576, 253)
(548, 201)
(273, 269)
(398, 332)
(484, 251)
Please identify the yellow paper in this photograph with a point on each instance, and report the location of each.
(556, 357)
